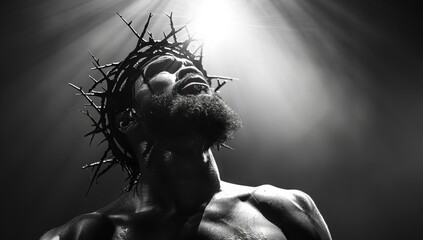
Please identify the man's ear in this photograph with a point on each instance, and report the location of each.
(128, 121)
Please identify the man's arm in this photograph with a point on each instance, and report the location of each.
(85, 227)
(293, 211)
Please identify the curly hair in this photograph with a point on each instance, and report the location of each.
(115, 96)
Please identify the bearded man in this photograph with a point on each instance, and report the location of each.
(160, 116)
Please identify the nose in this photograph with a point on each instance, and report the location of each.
(184, 70)
(163, 82)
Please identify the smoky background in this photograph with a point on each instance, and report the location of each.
(330, 93)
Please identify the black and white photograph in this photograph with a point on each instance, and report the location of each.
(211, 120)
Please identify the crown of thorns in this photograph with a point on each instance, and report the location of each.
(115, 94)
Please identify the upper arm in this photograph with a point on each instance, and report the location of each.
(293, 211)
(84, 227)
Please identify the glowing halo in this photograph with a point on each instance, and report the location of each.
(213, 21)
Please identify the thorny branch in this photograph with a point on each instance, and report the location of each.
(129, 25)
(219, 85)
(140, 38)
(86, 97)
(172, 26)
(107, 65)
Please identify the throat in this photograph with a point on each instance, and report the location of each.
(186, 181)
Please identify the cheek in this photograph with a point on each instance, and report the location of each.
(142, 95)
(162, 83)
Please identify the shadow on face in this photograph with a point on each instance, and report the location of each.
(176, 104)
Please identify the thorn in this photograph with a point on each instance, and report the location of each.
(222, 78)
(74, 86)
(140, 38)
(150, 35)
(97, 60)
(92, 78)
(219, 85)
(92, 94)
(189, 35)
(94, 177)
(105, 66)
(201, 54)
(171, 26)
(96, 163)
(102, 141)
(196, 50)
(128, 24)
(227, 146)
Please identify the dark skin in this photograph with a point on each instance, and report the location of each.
(181, 196)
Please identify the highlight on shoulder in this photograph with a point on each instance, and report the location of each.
(86, 226)
(293, 211)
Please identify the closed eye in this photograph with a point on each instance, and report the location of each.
(164, 63)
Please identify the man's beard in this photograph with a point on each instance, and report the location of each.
(206, 120)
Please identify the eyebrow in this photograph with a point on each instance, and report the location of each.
(169, 60)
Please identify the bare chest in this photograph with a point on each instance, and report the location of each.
(219, 221)
(236, 221)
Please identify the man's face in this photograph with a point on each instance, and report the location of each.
(166, 74)
(176, 103)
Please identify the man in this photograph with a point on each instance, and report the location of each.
(163, 113)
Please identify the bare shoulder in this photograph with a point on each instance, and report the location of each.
(86, 226)
(292, 210)
(284, 199)
(96, 225)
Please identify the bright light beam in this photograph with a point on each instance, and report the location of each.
(213, 21)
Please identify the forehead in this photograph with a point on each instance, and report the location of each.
(168, 63)
(157, 64)
(166, 59)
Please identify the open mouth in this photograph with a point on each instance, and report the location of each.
(193, 84)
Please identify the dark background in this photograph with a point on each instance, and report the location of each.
(365, 176)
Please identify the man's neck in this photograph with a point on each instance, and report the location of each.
(179, 180)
